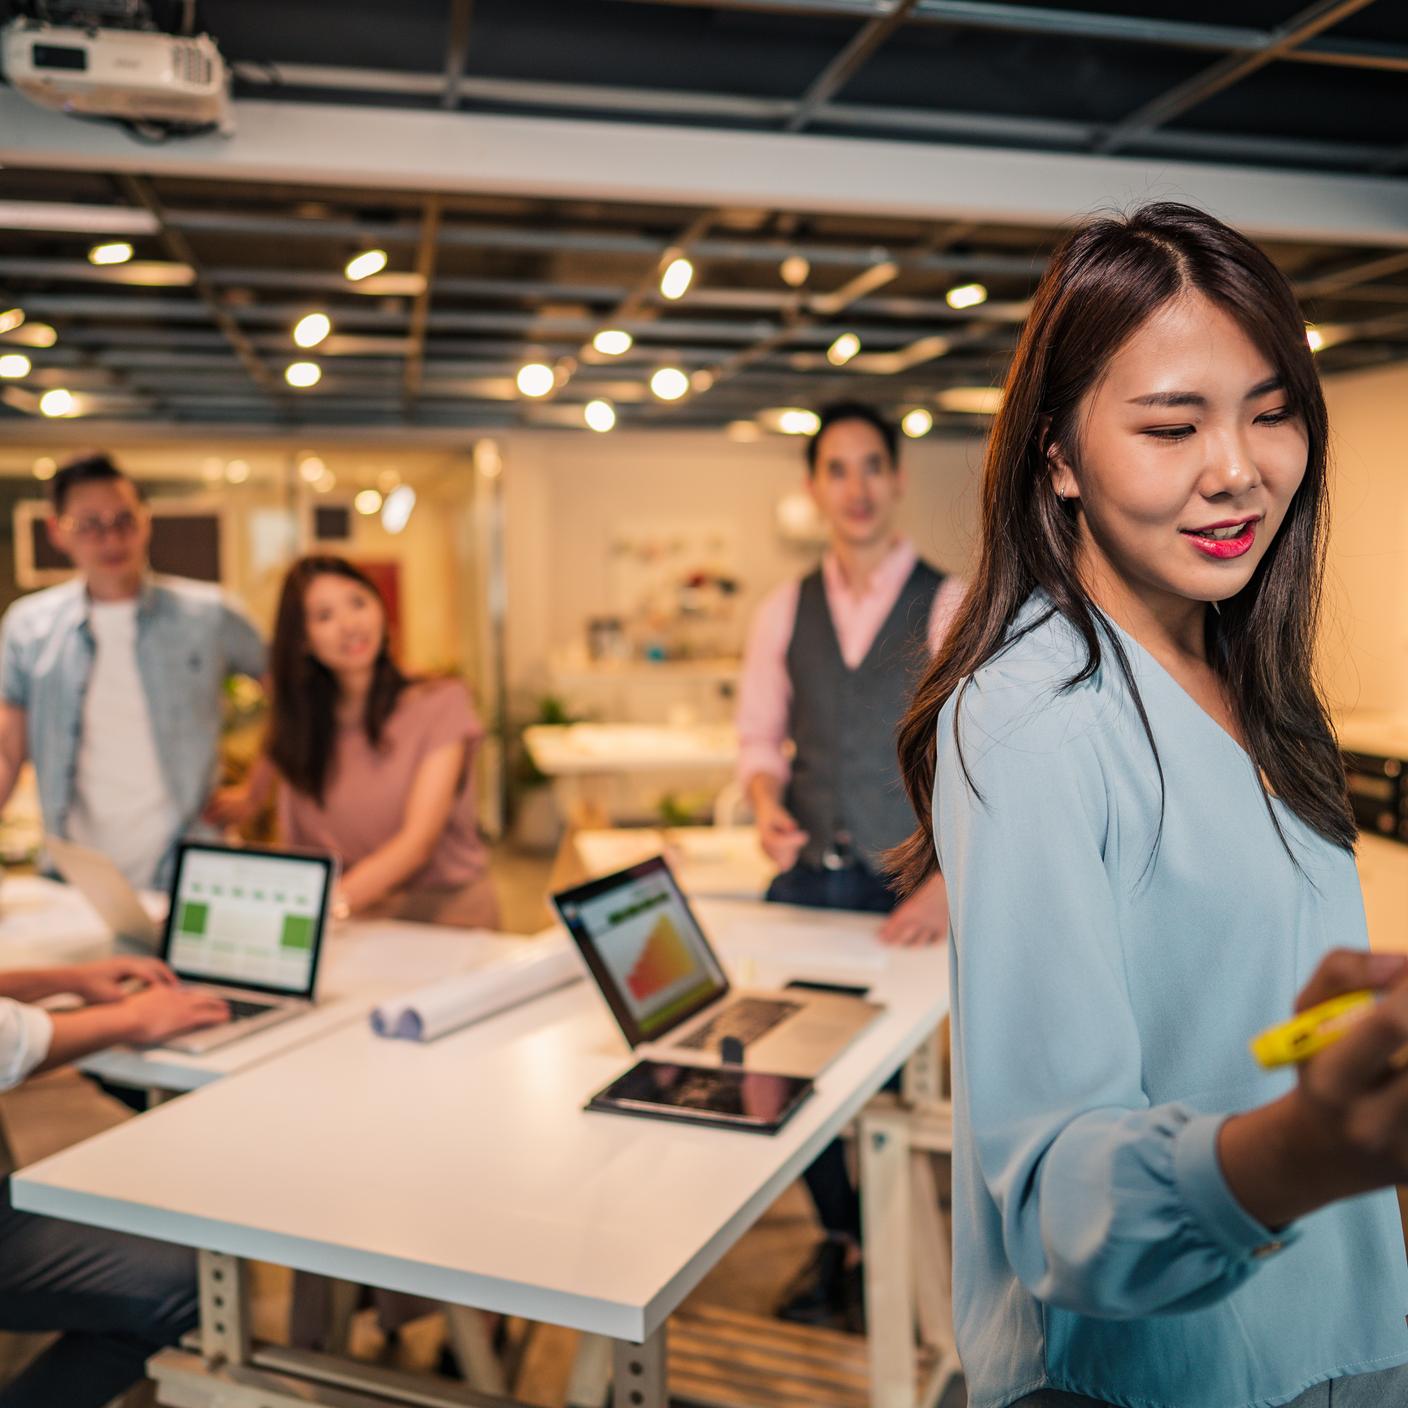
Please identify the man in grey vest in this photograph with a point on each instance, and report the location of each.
(830, 665)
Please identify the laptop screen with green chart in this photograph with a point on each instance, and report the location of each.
(248, 918)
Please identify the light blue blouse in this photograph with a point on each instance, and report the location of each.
(1103, 994)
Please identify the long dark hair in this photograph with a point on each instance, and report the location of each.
(303, 721)
(1101, 286)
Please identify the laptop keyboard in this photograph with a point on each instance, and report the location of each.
(748, 1018)
(240, 1009)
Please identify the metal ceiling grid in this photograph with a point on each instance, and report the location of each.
(502, 280)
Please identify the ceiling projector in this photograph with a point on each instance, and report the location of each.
(134, 76)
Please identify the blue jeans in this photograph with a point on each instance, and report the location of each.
(828, 1179)
(115, 1299)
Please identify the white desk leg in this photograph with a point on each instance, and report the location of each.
(933, 1271)
(224, 1309)
(922, 1077)
(887, 1222)
(640, 1373)
(591, 1372)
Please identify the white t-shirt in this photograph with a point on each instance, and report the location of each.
(120, 802)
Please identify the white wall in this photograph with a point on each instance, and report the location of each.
(1364, 643)
(564, 495)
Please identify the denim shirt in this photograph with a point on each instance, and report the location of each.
(1116, 938)
(190, 638)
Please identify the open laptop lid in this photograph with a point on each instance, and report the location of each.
(643, 945)
(106, 888)
(248, 918)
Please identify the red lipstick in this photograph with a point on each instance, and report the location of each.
(1223, 548)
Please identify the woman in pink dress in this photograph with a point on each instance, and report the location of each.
(376, 767)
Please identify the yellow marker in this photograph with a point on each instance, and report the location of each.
(1310, 1031)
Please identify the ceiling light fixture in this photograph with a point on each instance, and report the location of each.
(612, 342)
(795, 421)
(237, 471)
(599, 416)
(677, 276)
(58, 402)
(303, 374)
(10, 319)
(795, 271)
(396, 511)
(45, 467)
(669, 383)
(364, 265)
(14, 365)
(536, 379)
(311, 329)
(34, 335)
(917, 422)
(1313, 336)
(367, 502)
(311, 469)
(112, 252)
(843, 349)
(966, 296)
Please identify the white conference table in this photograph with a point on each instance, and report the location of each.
(363, 962)
(467, 1170)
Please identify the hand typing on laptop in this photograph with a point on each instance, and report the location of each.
(243, 930)
(159, 1013)
(153, 1005)
(112, 979)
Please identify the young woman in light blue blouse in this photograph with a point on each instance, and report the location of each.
(1140, 810)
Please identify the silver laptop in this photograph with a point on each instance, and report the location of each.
(669, 992)
(245, 923)
(97, 878)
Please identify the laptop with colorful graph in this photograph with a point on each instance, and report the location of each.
(669, 993)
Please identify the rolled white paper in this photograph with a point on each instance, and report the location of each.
(455, 1002)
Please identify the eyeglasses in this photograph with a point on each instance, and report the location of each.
(121, 524)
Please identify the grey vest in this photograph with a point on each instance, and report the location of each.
(845, 785)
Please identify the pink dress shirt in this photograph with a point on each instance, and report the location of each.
(765, 688)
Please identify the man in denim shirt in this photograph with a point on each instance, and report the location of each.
(112, 683)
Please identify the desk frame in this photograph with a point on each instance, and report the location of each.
(221, 1366)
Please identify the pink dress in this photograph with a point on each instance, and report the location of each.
(364, 806)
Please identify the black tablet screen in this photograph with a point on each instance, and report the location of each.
(727, 1095)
